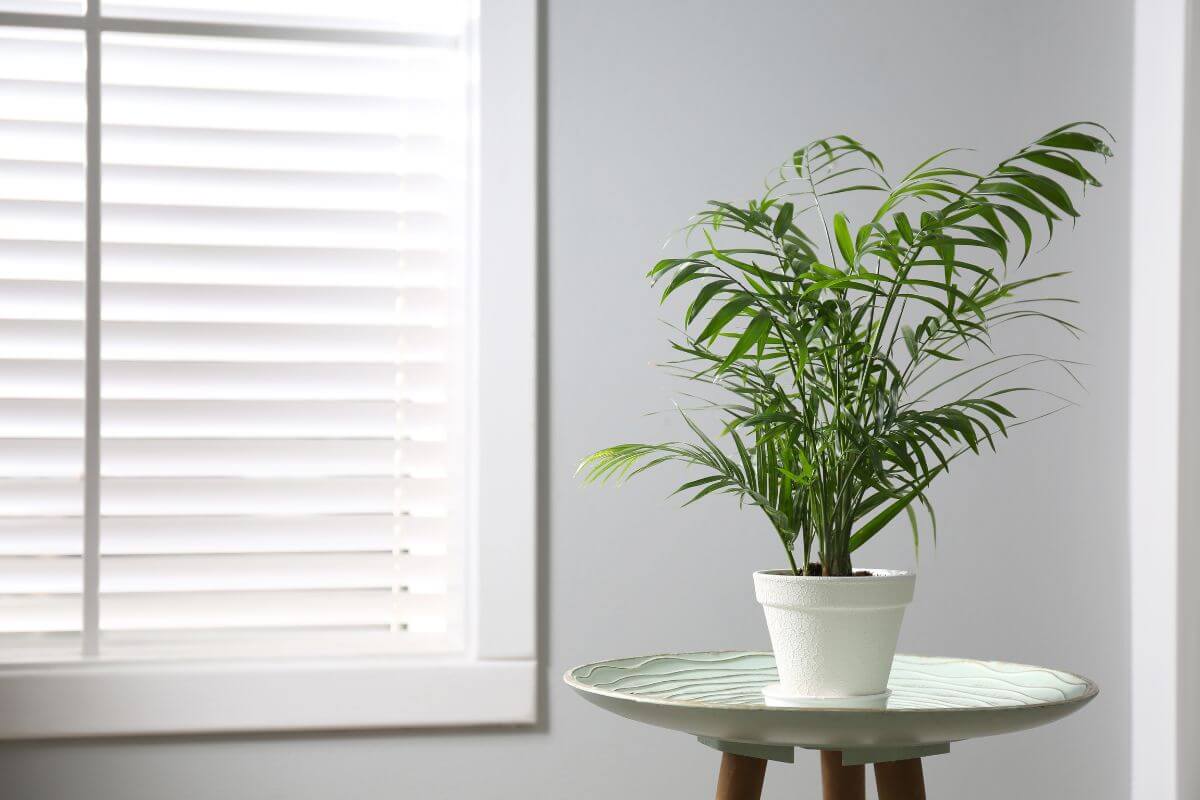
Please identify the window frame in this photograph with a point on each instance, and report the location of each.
(1164, 381)
(494, 681)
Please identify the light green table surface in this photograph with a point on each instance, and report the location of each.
(717, 697)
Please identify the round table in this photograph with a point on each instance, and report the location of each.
(717, 697)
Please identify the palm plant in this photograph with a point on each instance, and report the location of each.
(857, 363)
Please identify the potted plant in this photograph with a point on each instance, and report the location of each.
(856, 364)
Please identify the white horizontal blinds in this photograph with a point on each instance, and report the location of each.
(41, 377)
(281, 448)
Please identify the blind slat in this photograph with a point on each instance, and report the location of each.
(138, 380)
(231, 148)
(154, 224)
(207, 303)
(444, 17)
(230, 265)
(229, 533)
(198, 495)
(209, 610)
(226, 342)
(242, 572)
(57, 418)
(256, 458)
(137, 186)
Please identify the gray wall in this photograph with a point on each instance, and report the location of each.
(653, 107)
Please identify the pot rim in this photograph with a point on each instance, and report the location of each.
(877, 574)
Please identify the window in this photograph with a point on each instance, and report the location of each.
(258, 385)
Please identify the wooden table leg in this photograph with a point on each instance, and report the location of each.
(900, 780)
(741, 777)
(842, 783)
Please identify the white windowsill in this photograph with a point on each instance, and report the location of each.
(132, 698)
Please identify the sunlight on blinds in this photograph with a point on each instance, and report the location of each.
(284, 228)
(41, 344)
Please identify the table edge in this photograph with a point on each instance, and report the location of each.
(1091, 689)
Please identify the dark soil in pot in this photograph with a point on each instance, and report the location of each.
(814, 571)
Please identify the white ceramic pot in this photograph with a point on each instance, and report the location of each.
(833, 637)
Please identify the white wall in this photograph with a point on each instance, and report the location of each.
(653, 107)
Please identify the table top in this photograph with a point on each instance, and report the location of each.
(933, 700)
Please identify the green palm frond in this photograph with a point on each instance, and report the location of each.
(836, 343)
